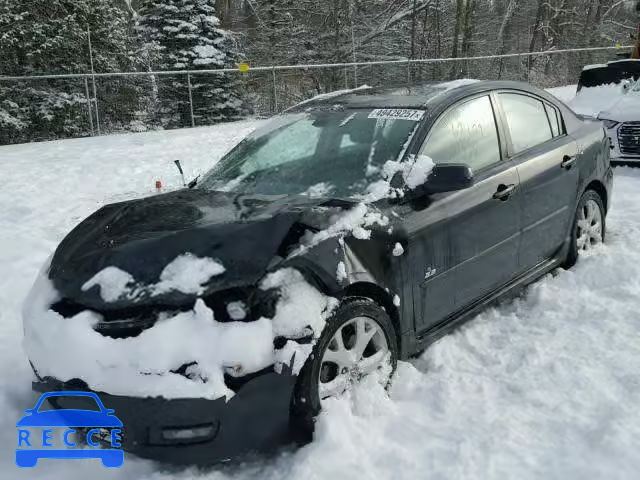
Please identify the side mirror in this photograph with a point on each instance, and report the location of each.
(448, 177)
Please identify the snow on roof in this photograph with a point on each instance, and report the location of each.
(336, 93)
(624, 60)
(595, 65)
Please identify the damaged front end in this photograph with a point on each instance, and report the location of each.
(199, 430)
(191, 377)
(194, 326)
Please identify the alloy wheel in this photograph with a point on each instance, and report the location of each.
(359, 347)
(589, 231)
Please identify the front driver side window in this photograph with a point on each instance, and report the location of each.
(466, 134)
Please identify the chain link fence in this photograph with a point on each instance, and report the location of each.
(103, 103)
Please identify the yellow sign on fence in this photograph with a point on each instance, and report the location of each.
(243, 67)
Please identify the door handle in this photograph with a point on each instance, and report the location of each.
(504, 192)
(567, 162)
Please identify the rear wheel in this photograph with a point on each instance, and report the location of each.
(589, 226)
(358, 340)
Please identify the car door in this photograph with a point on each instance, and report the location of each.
(546, 162)
(475, 247)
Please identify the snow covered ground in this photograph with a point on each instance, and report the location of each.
(545, 386)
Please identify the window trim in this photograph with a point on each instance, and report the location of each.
(559, 119)
(502, 146)
(511, 154)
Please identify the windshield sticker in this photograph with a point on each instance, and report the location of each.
(398, 114)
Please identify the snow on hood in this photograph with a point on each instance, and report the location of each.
(186, 354)
(625, 109)
(609, 102)
(146, 365)
(591, 101)
(186, 273)
(138, 251)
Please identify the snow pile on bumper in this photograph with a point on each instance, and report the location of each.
(145, 365)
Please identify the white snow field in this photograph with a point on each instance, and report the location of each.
(544, 386)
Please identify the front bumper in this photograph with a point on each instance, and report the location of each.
(256, 419)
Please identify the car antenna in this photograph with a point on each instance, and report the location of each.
(177, 162)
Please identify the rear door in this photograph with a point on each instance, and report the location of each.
(546, 162)
(482, 223)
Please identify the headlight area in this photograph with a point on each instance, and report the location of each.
(196, 352)
(216, 376)
(235, 304)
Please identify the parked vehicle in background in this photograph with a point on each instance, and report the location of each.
(622, 121)
(611, 93)
(411, 208)
(613, 72)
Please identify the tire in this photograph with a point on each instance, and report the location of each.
(310, 386)
(588, 219)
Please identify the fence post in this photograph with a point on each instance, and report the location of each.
(86, 91)
(275, 91)
(193, 118)
(353, 46)
(93, 79)
(408, 72)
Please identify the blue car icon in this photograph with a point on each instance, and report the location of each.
(28, 457)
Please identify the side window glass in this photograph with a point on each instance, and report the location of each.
(554, 119)
(466, 134)
(527, 120)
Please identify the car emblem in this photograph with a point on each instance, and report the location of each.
(430, 273)
(100, 427)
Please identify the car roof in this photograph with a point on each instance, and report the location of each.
(415, 96)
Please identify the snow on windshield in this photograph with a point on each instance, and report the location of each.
(338, 152)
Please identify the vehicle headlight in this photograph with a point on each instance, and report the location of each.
(609, 124)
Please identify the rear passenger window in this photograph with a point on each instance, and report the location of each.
(527, 121)
(465, 134)
(554, 119)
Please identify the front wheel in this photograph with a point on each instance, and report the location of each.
(358, 340)
(589, 226)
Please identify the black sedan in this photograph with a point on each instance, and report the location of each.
(405, 211)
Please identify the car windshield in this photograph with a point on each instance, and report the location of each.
(332, 152)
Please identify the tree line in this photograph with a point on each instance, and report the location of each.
(79, 36)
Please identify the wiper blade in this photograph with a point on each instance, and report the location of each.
(193, 182)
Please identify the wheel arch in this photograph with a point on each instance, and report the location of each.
(381, 297)
(598, 187)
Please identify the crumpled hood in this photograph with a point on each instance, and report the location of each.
(143, 236)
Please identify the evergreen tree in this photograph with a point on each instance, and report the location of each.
(38, 38)
(185, 35)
